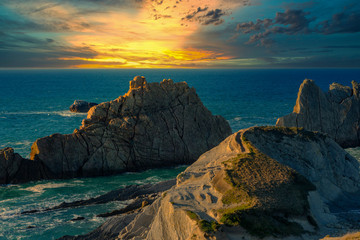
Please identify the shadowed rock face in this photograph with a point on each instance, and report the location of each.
(259, 182)
(152, 125)
(336, 112)
(15, 169)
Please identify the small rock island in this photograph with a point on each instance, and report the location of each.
(80, 106)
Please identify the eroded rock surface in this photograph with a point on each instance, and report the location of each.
(152, 125)
(81, 106)
(15, 169)
(260, 182)
(336, 112)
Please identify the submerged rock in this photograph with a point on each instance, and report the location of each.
(152, 125)
(259, 182)
(15, 169)
(336, 113)
(81, 106)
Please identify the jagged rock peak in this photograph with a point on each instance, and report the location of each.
(152, 125)
(137, 82)
(336, 112)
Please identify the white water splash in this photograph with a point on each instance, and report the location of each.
(40, 188)
(49, 113)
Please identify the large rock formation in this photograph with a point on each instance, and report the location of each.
(336, 112)
(15, 169)
(260, 182)
(152, 125)
(81, 106)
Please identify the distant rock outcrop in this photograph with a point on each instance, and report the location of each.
(259, 182)
(152, 125)
(336, 113)
(15, 169)
(81, 106)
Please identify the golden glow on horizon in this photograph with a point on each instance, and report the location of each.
(151, 35)
(139, 40)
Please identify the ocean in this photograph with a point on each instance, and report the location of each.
(35, 103)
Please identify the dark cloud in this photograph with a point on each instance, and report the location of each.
(205, 17)
(213, 17)
(194, 13)
(295, 21)
(47, 6)
(292, 22)
(289, 22)
(344, 22)
(158, 16)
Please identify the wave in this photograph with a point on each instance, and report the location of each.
(49, 113)
(18, 144)
(40, 188)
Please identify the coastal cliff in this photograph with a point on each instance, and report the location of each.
(261, 182)
(336, 113)
(152, 125)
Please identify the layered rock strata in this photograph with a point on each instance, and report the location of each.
(336, 112)
(262, 182)
(152, 125)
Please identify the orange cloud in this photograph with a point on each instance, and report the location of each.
(155, 34)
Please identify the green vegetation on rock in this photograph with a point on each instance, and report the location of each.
(205, 226)
(264, 193)
(290, 132)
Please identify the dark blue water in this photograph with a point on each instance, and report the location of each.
(34, 103)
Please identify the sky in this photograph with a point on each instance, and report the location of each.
(179, 34)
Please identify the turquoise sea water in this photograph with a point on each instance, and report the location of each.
(34, 103)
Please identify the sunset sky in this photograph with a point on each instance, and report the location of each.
(179, 33)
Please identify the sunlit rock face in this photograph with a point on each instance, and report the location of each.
(336, 113)
(152, 125)
(261, 182)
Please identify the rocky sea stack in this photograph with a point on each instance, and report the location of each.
(336, 113)
(152, 125)
(259, 182)
(81, 106)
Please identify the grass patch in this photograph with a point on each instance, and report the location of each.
(192, 215)
(262, 224)
(264, 193)
(205, 226)
(208, 227)
(290, 132)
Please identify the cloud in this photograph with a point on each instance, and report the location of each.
(293, 22)
(344, 22)
(205, 17)
(248, 27)
(194, 13)
(289, 22)
(46, 6)
(213, 17)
